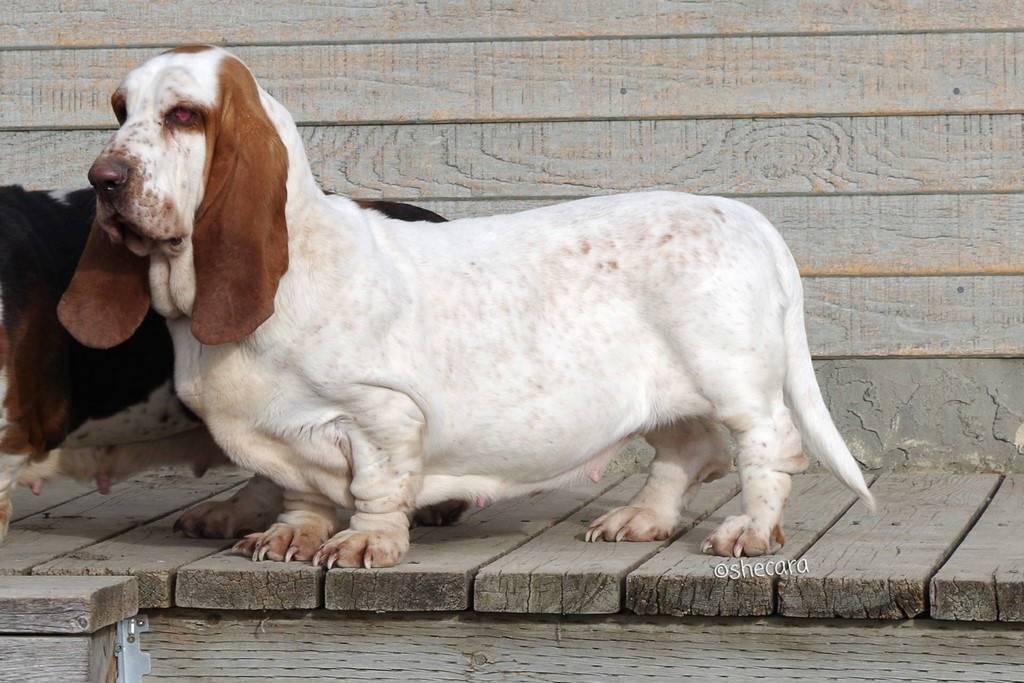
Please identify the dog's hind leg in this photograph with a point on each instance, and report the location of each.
(769, 450)
(686, 454)
(10, 468)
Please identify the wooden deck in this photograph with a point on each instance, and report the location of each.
(940, 547)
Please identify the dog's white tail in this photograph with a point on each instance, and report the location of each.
(808, 407)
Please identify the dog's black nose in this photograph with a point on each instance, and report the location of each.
(108, 175)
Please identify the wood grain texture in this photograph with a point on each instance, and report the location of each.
(559, 573)
(230, 581)
(594, 79)
(68, 605)
(45, 659)
(53, 494)
(188, 645)
(438, 572)
(984, 579)
(93, 517)
(735, 156)
(879, 566)
(681, 581)
(155, 569)
(81, 23)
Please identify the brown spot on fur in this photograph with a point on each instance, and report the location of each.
(666, 238)
(585, 247)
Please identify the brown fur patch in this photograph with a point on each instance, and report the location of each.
(33, 352)
(240, 242)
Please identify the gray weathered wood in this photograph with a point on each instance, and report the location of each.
(53, 494)
(45, 659)
(29, 24)
(558, 573)
(155, 569)
(188, 645)
(595, 79)
(438, 572)
(879, 566)
(73, 604)
(94, 517)
(681, 581)
(567, 159)
(231, 581)
(984, 579)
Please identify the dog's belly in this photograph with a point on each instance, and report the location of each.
(160, 415)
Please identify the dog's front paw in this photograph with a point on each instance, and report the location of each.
(363, 549)
(222, 519)
(740, 536)
(629, 523)
(284, 543)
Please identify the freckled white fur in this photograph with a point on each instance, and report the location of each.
(483, 358)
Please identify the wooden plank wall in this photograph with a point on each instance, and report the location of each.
(884, 140)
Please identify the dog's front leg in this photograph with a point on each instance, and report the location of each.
(386, 478)
(10, 468)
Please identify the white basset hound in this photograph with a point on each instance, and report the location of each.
(378, 365)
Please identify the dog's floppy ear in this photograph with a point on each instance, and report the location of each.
(109, 294)
(240, 240)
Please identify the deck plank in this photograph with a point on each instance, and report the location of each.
(188, 645)
(54, 493)
(45, 659)
(558, 573)
(984, 579)
(442, 562)
(93, 517)
(156, 568)
(879, 566)
(681, 581)
(228, 580)
(68, 605)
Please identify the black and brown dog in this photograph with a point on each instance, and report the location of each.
(100, 415)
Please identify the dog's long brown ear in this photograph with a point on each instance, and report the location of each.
(240, 241)
(109, 294)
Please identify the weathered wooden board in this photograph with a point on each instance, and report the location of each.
(45, 659)
(879, 566)
(53, 494)
(85, 24)
(565, 159)
(898, 73)
(558, 573)
(93, 517)
(67, 605)
(155, 568)
(438, 572)
(984, 579)
(188, 645)
(681, 581)
(232, 581)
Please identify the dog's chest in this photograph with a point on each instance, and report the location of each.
(161, 414)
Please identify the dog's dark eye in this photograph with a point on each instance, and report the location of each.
(182, 117)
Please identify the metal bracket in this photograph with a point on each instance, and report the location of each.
(132, 662)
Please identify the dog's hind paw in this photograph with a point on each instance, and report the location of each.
(740, 536)
(630, 524)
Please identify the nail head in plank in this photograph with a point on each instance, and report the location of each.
(681, 581)
(66, 604)
(879, 566)
(984, 579)
(437, 574)
(558, 573)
